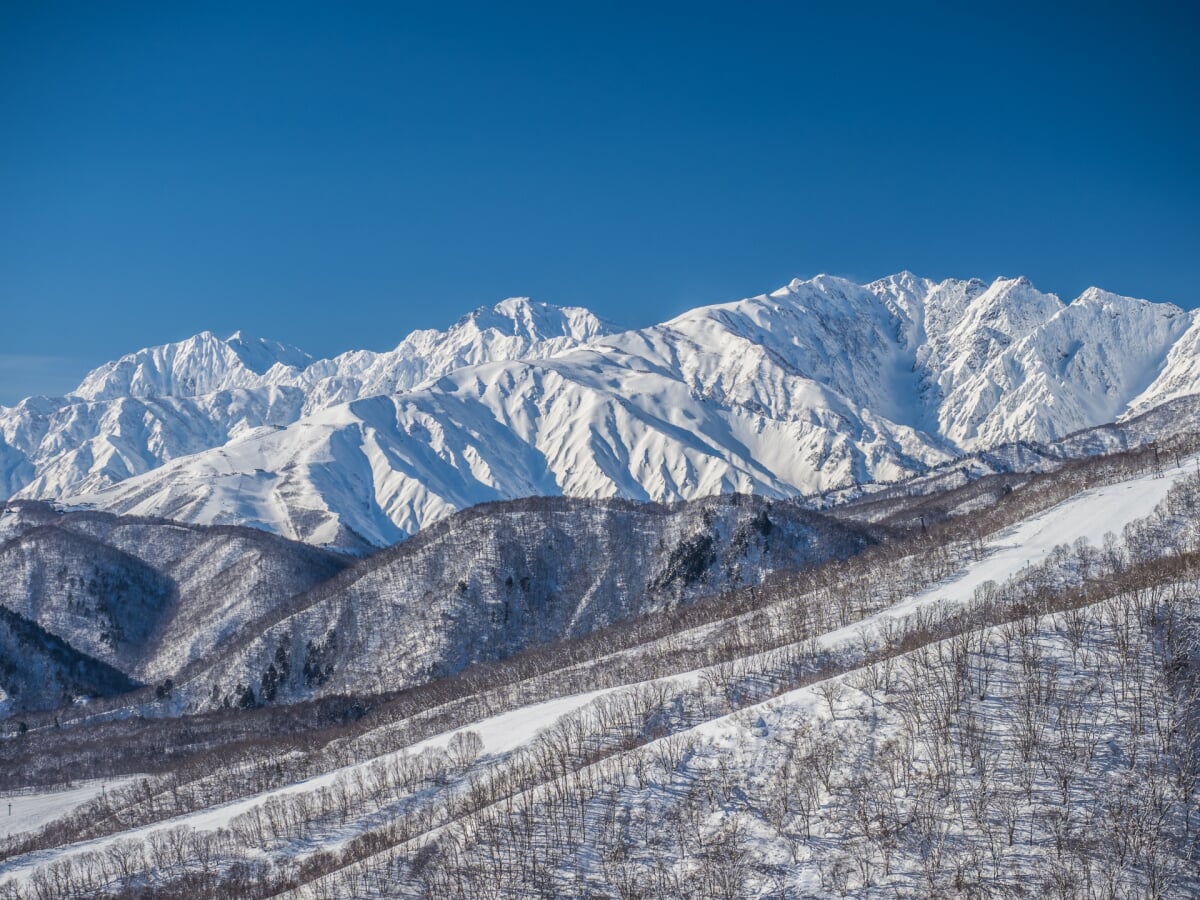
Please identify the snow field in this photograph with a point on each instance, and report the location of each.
(21, 812)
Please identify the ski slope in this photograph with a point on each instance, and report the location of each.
(500, 735)
(25, 812)
(1089, 515)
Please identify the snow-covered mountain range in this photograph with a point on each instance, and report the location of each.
(820, 384)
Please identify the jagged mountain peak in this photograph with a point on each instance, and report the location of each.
(797, 285)
(1014, 291)
(822, 383)
(260, 354)
(1097, 296)
(906, 289)
(1010, 306)
(931, 305)
(534, 321)
(197, 365)
(822, 284)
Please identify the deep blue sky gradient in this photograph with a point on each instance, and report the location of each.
(335, 175)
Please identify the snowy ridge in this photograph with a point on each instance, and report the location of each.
(516, 328)
(199, 365)
(120, 601)
(131, 416)
(1089, 363)
(204, 364)
(822, 384)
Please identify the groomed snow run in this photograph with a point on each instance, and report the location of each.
(500, 734)
(25, 812)
(1090, 515)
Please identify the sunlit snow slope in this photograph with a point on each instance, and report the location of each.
(821, 384)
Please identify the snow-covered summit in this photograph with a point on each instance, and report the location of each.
(515, 328)
(204, 363)
(822, 383)
(535, 321)
(200, 364)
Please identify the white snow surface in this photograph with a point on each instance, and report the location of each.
(824, 383)
(31, 811)
(500, 734)
(1090, 514)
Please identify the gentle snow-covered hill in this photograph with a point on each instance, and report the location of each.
(821, 384)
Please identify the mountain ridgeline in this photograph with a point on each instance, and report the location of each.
(207, 616)
(821, 385)
(501, 578)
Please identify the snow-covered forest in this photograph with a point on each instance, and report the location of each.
(990, 689)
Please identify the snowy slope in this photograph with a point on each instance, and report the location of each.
(500, 734)
(839, 738)
(819, 385)
(1085, 365)
(1179, 374)
(199, 365)
(1088, 516)
(30, 811)
(130, 416)
(93, 604)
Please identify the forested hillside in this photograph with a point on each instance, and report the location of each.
(996, 698)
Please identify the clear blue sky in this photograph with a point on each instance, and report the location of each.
(337, 174)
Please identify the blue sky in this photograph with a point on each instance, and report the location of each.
(335, 175)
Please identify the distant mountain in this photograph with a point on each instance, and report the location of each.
(129, 417)
(200, 365)
(819, 385)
